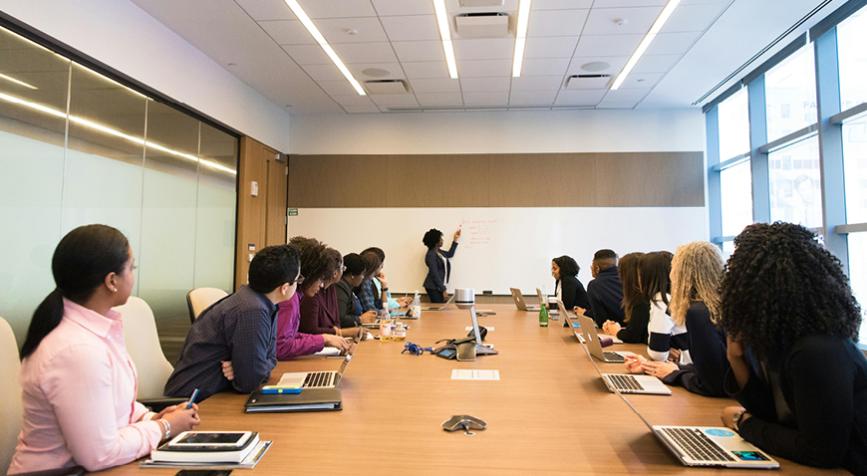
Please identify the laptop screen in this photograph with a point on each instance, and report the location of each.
(475, 319)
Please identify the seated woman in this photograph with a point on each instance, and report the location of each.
(567, 287)
(636, 309)
(321, 313)
(348, 305)
(317, 266)
(792, 326)
(696, 273)
(380, 284)
(78, 382)
(439, 268)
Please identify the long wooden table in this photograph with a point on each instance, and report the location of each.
(549, 413)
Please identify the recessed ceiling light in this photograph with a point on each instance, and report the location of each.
(311, 27)
(521, 37)
(595, 66)
(17, 81)
(645, 42)
(446, 35)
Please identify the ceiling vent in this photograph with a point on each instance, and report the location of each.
(386, 86)
(480, 3)
(588, 81)
(482, 25)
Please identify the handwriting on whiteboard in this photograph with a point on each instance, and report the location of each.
(477, 232)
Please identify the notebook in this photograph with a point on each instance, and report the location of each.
(207, 447)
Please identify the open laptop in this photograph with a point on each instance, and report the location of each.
(575, 327)
(316, 379)
(441, 307)
(481, 349)
(591, 339)
(520, 303)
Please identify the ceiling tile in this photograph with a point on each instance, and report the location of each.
(440, 99)
(368, 108)
(556, 22)
(307, 54)
(454, 6)
(644, 81)
(287, 32)
(532, 98)
(485, 68)
(403, 7)
(673, 43)
(486, 99)
(603, 21)
(337, 8)
(586, 97)
(394, 100)
(544, 66)
(484, 48)
(656, 63)
(427, 69)
(267, 9)
(365, 52)
(553, 47)
(352, 100)
(615, 104)
(537, 83)
(698, 17)
(419, 51)
(625, 95)
(560, 4)
(351, 30)
(324, 72)
(435, 85)
(394, 70)
(616, 64)
(337, 88)
(485, 84)
(629, 3)
(607, 45)
(411, 28)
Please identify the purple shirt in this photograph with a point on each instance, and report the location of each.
(320, 314)
(290, 342)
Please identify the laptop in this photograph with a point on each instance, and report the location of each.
(575, 327)
(637, 384)
(320, 391)
(441, 307)
(591, 340)
(520, 303)
(317, 379)
(481, 349)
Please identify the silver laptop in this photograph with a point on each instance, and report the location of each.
(441, 307)
(591, 339)
(520, 303)
(637, 384)
(574, 327)
(317, 379)
(481, 349)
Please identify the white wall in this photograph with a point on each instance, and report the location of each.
(124, 37)
(500, 132)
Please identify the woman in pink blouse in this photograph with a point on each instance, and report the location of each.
(78, 382)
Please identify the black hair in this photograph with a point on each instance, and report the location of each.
(378, 251)
(371, 262)
(272, 267)
(314, 262)
(628, 272)
(432, 238)
(354, 264)
(653, 272)
(782, 285)
(567, 265)
(335, 263)
(81, 261)
(604, 254)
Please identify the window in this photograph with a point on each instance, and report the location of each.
(858, 275)
(734, 126)
(790, 92)
(796, 186)
(852, 56)
(737, 199)
(855, 167)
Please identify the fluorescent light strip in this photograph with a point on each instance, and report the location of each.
(308, 23)
(17, 81)
(645, 42)
(99, 127)
(446, 35)
(521, 37)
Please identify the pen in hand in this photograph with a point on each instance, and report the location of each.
(193, 398)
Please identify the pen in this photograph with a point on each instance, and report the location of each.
(193, 398)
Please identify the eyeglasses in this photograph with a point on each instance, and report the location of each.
(298, 280)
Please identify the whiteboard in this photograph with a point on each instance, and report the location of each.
(500, 247)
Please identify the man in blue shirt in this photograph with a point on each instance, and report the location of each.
(240, 328)
(605, 292)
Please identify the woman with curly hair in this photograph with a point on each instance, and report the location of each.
(438, 266)
(636, 309)
(792, 324)
(696, 273)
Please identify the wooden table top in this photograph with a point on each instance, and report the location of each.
(549, 412)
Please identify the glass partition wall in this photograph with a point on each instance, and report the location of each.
(77, 147)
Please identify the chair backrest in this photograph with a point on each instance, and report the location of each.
(200, 299)
(143, 346)
(10, 395)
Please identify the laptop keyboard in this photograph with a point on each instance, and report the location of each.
(625, 383)
(697, 445)
(613, 356)
(318, 379)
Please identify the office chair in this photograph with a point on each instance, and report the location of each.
(200, 299)
(10, 408)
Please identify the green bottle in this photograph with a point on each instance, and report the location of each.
(543, 316)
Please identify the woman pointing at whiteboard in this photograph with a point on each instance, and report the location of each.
(438, 267)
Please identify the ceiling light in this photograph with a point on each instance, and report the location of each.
(645, 42)
(17, 81)
(308, 23)
(446, 35)
(110, 131)
(521, 37)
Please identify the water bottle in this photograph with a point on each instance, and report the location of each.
(543, 316)
(415, 307)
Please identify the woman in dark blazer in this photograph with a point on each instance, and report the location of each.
(567, 287)
(438, 267)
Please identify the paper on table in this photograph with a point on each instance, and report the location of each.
(328, 352)
(475, 374)
(489, 328)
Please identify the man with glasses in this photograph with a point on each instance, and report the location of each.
(238, 331)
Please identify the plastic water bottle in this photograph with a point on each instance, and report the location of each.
(543, 316)
(415, 307)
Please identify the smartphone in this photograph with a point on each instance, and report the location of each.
(204, 472)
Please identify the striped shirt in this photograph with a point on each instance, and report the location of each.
(664, 334)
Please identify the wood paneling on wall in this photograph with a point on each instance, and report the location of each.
(640, 179)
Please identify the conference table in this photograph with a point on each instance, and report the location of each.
(548, 414)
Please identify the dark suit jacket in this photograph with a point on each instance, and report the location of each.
(437, 272)
(574, 294)
(605, 294)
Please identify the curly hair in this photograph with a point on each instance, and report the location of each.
(696, 274)
(628, 272)
(653, 275)
(432, 238)
(568, 266)
(315, 263)
(782, 285)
